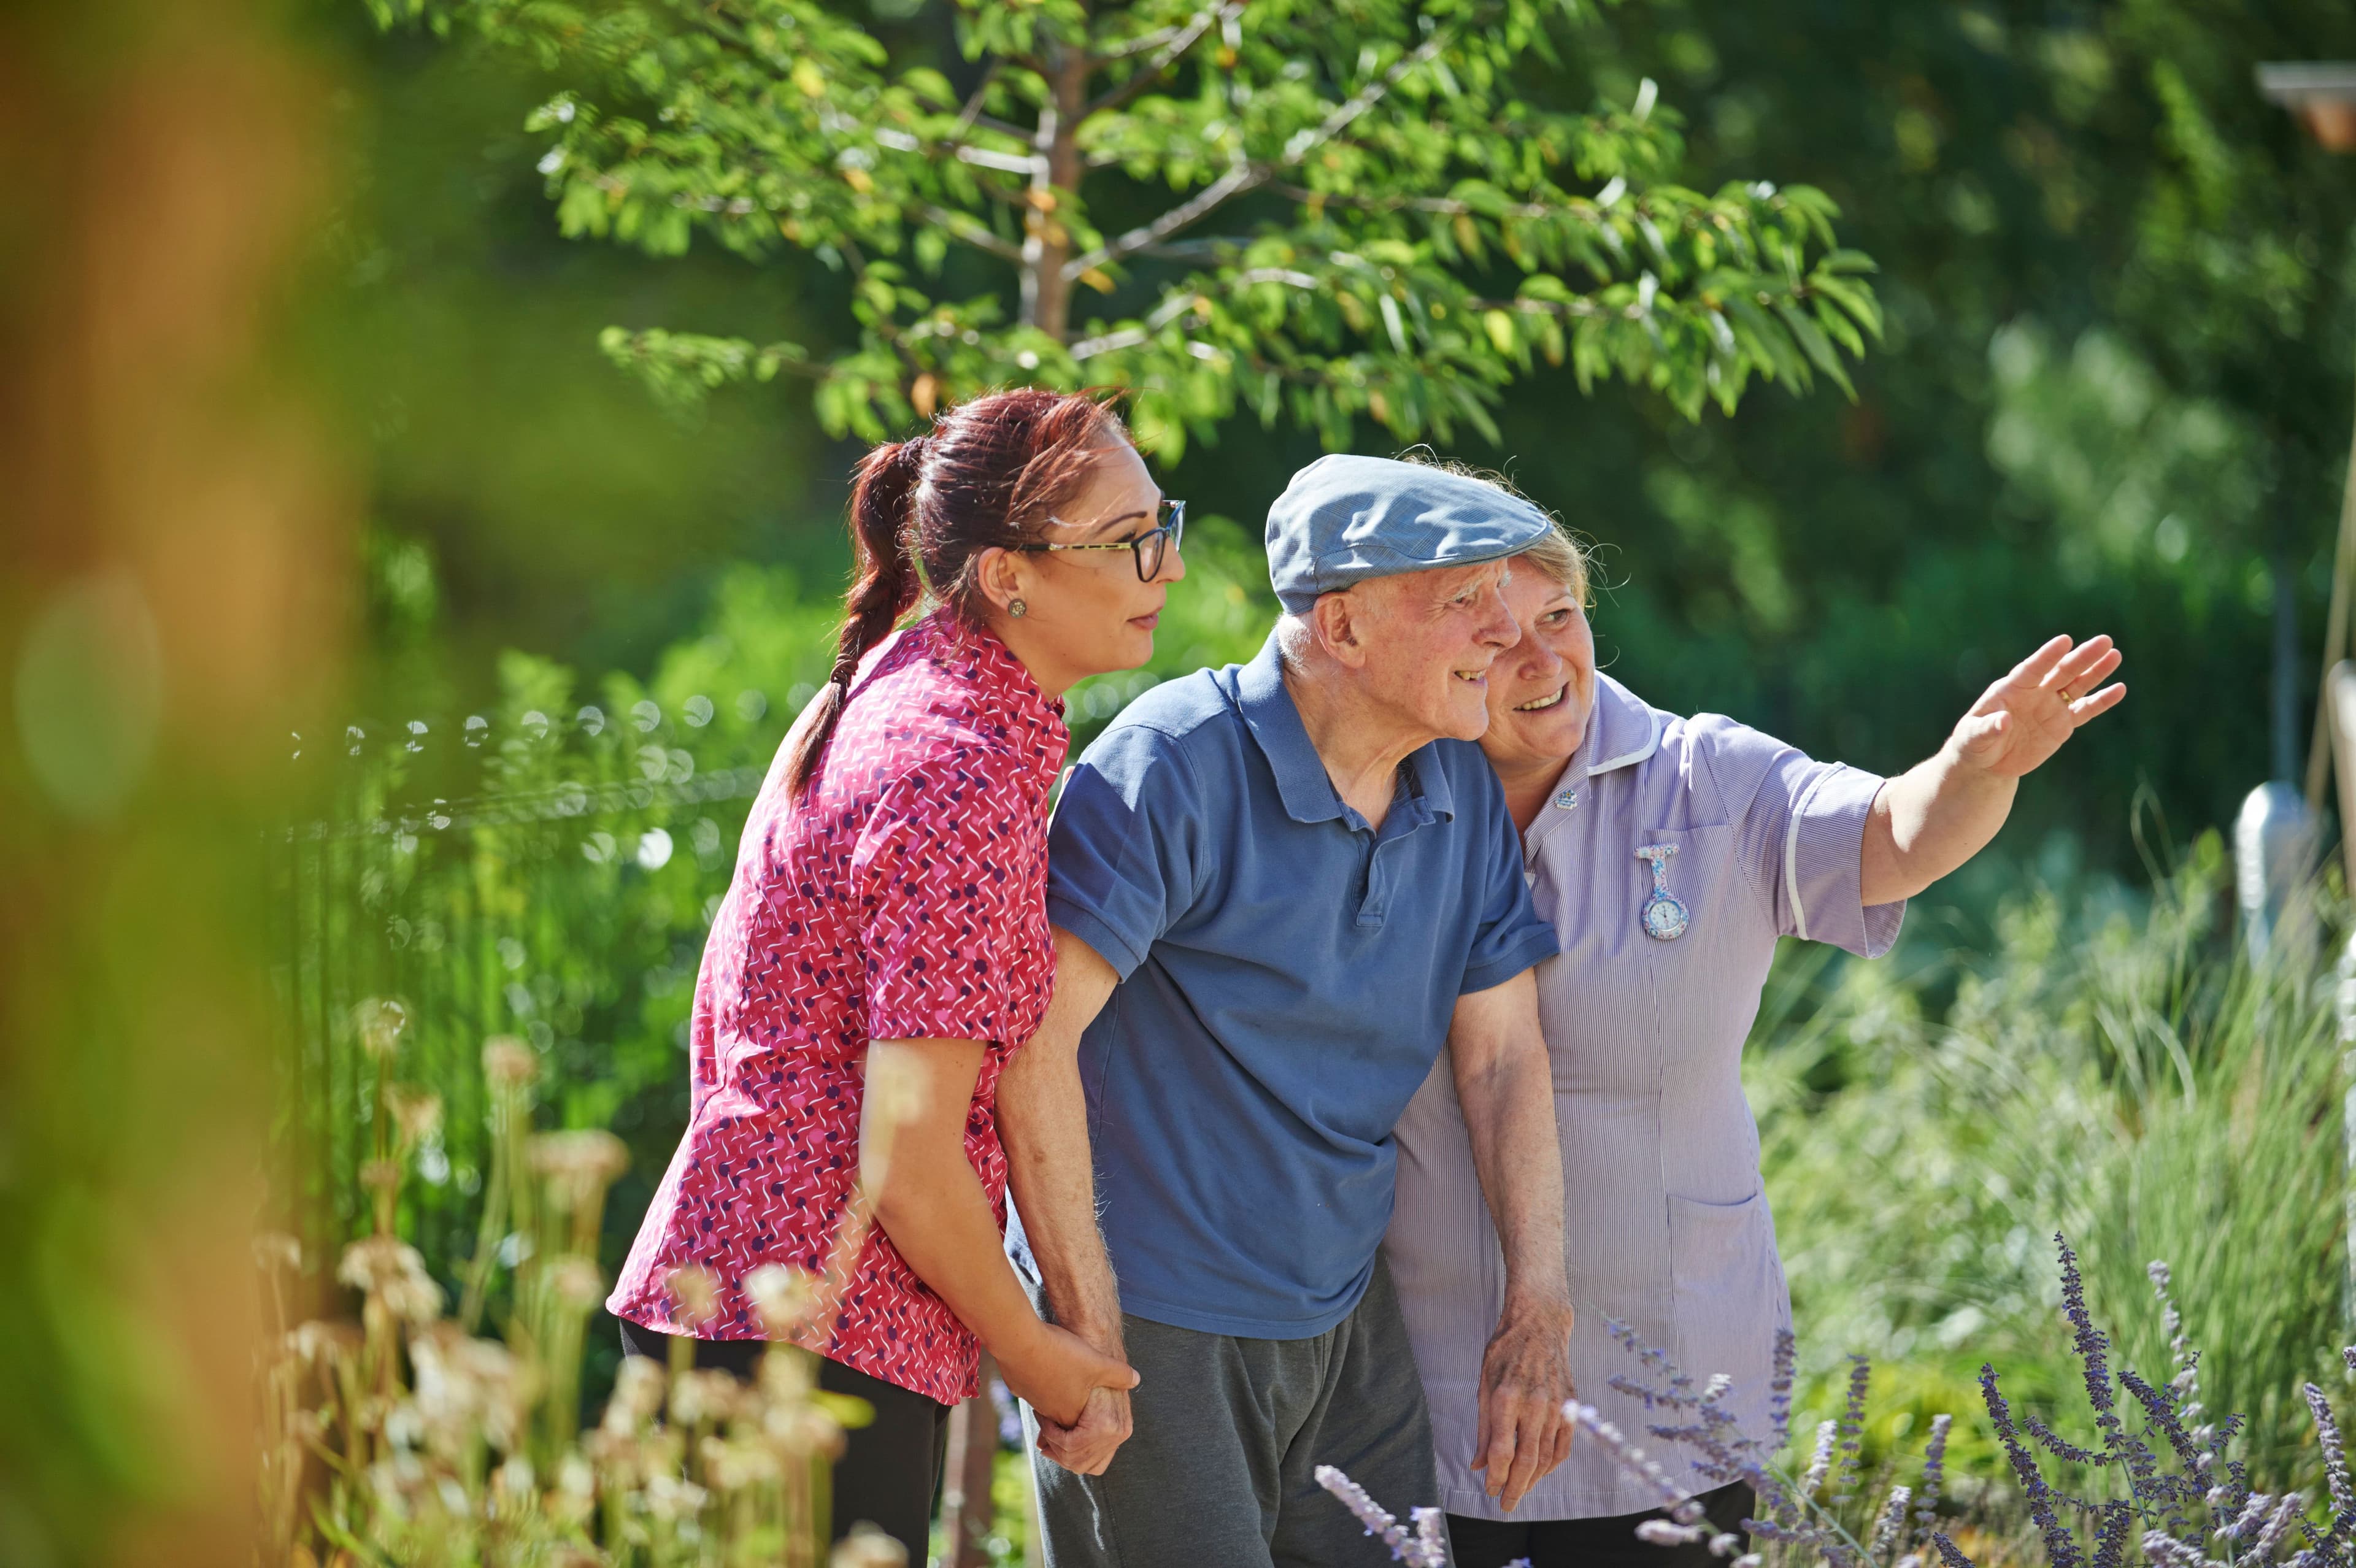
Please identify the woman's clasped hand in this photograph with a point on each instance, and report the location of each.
(1054, 1371)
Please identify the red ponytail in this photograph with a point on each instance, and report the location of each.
(985, 477)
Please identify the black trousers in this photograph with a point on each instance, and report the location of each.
(1595, 1542)
(890, 1470)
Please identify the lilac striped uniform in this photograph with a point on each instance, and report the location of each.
(1667, 1225)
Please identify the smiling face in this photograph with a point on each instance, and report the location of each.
(1429, 640)
(1542, 691)
(1085, 611)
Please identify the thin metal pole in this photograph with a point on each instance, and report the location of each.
(2335, 635)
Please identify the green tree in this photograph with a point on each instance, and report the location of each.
(1309, 211)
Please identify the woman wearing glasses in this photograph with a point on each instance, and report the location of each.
(884, 941)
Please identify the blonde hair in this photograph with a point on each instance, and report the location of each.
(1558, 555)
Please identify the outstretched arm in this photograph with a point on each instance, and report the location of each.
(1942, 811)
(1506, 1088)
(1042, 1122)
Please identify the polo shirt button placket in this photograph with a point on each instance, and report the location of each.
(1375, 896)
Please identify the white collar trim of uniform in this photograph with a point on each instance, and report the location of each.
(1620, 697)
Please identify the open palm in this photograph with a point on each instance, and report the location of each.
(2024, 718)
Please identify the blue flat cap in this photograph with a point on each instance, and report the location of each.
(1344, 519)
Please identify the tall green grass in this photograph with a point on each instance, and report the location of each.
(2127, 1075)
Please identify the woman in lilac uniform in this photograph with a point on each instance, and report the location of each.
(1671, 853)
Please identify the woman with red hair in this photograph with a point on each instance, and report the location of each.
(884, 945)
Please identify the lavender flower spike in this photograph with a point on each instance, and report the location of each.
(1934, 1475)
(2335, 1457)
(1683, 1508)
(2168, 1552)
(2286, 1514)
(1852, 1427)
(1429, 1532)
(1888, 1527)
(1379, 1522)
(1779, 1389)
(1821, 1463)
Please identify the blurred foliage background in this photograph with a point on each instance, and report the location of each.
(2114, 393)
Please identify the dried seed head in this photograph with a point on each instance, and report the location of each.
(391, 1270)
(508, 1062)
(637, 1394)
(380, 1176)
(577, 1166)
(803, 1429)
(575, 1281)
(702, 1396)
(276, 1249)
(318, 1342)
(670, 1500)
(514, 1480)
(868, 1547)
(695, 1293)
(786, 1299)
(416, 1113)
(380, 1021)
(733, 1466)
(787, 1376)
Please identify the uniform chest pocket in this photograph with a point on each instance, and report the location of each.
(1706, 978)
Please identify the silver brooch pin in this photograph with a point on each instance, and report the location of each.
(1665, 914)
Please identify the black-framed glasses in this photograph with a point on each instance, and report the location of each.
(1147, 549)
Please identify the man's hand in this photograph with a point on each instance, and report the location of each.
(1525, 1383)
(1087, 1445)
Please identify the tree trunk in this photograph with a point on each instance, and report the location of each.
(1046, 243)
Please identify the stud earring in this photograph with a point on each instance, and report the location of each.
(1016, 608)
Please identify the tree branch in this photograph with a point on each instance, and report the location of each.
(964, 151)
(1145, 75)
(1241, 176)
(1304, 143)
(1171, 307)
(1443, 205)
(974, 105)
(961, 227)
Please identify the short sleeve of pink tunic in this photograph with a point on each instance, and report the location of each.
(902, 897)
(947, 950)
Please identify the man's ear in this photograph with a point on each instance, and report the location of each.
(1340, 621)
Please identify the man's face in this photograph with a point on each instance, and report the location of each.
(1429, 638)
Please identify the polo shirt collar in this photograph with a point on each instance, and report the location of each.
(1302, 781)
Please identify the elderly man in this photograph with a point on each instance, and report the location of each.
(1279, 890)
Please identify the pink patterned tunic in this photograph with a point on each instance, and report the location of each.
(902, 898)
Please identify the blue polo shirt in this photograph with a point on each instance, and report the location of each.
(1288, 974)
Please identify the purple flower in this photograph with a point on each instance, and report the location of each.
(1852, 1428)
(2060, 1549)
(1779, 1390)
(1410, 1548)
(2335, 1465)
(1934, 1475)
